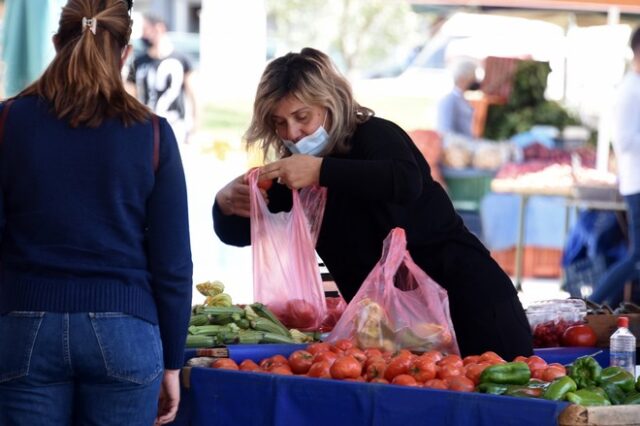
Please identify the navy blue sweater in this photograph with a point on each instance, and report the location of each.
(86, 224)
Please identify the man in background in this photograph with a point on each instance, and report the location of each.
(161, 78)
(626, 145)
(455, 113)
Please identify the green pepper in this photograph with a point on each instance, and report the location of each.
(614, 393)
(492, 388)
(585, 372)
(524, 391)
(559, 388)
(537, 383)
(632, 398)
(510, 373)
(587, 398)
(618, 376)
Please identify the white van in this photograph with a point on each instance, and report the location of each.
(474, 36)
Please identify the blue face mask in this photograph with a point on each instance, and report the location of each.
(312, 144)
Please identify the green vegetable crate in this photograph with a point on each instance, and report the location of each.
(467, 187)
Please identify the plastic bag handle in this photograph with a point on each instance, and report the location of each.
(393, 254)
(257, 200)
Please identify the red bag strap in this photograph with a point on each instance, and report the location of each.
(3, 118)
(156, 142)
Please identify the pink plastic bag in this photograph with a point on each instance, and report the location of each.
(398, 306)
(286, 276)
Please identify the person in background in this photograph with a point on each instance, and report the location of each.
(626, 145)
(96, 279)
(162, 79)
(376, 180)
(455, 113)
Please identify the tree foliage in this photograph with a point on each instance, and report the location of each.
(358, 34)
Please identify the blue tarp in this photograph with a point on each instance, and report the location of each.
(544, 221)
(230, 398)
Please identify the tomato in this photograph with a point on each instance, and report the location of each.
(372, 352)
(328, 356)
(448, 370)
(343, 344)
(357, 354)
(536, 363)
(265, 184)
(491, 357)
(300, 361)
(346, 367)
(314, 348)
(375, 359)
(473, 371)
(398, 365)
(375, 370)
(249, 365)
(423, 369)
(273, 361)
(405, 352)
(471, 359)
(453, 360)
(558, 366)
(579, 335)
(521, 358)
(549, 374)
(435, 355)
(404, 380)
(320, 369)
(300, 314)
(460, 384)
(436, 384)
(225, 364)
(379, 380)
(281, 369)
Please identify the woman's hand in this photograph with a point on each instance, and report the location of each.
(297, 171)
(234, 199)
(169, 397)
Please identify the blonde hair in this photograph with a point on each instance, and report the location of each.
(311, 77)
(83, 83)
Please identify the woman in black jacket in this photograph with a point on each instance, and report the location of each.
(376, 180)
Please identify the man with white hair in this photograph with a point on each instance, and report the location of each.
(455, 113)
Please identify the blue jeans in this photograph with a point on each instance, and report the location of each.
(78, 369)
(612, 283)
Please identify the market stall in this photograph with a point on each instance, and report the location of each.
(223, 397)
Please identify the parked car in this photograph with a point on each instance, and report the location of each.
(472, 36)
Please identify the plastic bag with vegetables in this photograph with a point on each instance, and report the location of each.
(398, 306)
(286, 276)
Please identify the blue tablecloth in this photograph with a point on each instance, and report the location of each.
(544, 221)
(232, 398)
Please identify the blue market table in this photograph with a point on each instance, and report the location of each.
(219, 397)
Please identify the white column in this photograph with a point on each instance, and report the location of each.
(604, 124)
(233, 47)
(180, 15)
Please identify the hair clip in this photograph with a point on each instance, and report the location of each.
(91, 24)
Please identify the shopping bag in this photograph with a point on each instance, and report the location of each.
(286, 276)
(398, 306)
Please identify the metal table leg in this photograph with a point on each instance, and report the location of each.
(524, 199)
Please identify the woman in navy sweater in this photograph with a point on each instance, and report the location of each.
(95, 286)
(376, 180)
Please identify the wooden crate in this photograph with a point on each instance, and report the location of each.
(536, 262)
(619, 415)
(605, 325)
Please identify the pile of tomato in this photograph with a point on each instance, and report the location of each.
(343, 361)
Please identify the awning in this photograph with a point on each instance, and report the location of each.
(27, 47)
(624, 6)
